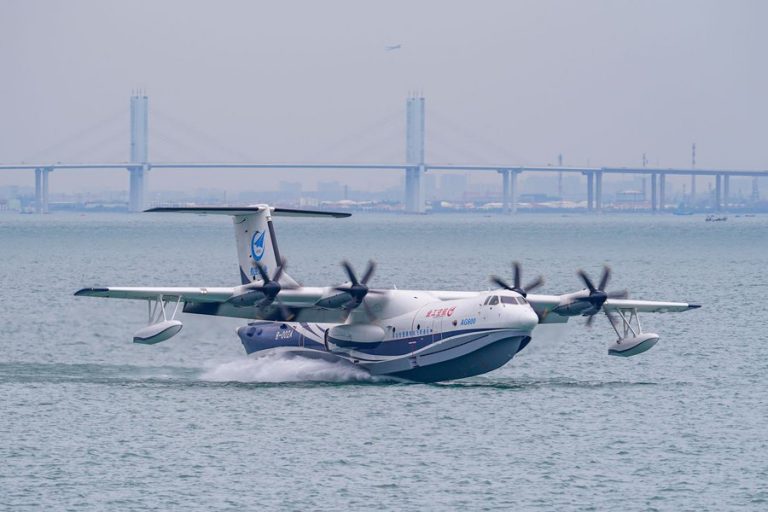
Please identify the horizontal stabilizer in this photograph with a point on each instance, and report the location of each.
(247, 210)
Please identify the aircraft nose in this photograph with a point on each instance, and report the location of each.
(530, 318)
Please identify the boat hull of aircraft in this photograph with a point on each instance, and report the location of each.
(460, 355)
(456, 356)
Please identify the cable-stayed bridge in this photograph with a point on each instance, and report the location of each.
(414, 166)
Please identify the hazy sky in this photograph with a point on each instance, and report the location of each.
(599, 81)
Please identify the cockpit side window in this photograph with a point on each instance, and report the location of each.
(494, 300)
(486, 301)
(509, 300)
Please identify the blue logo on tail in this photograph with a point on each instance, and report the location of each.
(257, 245)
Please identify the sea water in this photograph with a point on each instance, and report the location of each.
(90, 421)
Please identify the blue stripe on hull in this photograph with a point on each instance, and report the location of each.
(483, 360)
(404, 346)
(474, 355)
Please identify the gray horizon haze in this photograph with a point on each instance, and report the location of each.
(601, 82)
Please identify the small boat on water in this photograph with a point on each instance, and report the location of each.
(715, 218)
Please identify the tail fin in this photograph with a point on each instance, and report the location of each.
(254, 233)
(256, 243)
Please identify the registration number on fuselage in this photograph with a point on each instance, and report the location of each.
(283, 334)
(468, 321)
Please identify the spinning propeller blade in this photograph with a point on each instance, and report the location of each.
(536, 283)
(605, 277)
(587, 281)
(269, 288)
(598, 296)
(358, 289)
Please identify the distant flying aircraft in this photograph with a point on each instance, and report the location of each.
(392, 47)
(416, 335)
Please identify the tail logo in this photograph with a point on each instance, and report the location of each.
(257, 245)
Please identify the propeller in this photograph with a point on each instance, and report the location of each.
(269, 288)
(517, 280)
(358, 288)
(597, 294)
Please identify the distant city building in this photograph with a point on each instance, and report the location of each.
(330, 191)
(453, 186)
(290, 190)
(630, 196)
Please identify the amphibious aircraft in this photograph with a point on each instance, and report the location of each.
(415, 335)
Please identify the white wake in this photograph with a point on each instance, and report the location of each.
(284, 368)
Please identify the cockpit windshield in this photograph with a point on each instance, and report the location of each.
(513, 300)
(494, 300)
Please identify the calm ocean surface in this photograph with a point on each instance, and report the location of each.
(90, 421)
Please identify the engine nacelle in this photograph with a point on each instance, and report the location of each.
(628, 347)
(574, 308)
(155, 333)
(245, 299)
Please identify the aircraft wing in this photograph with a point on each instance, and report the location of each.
(302, 302)
(648, 306)
(544, 304)
(187, 293)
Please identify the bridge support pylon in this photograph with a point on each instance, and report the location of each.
(509, 190)
(599, 191)
(414, 154)
(414, 190)
(139, 151)
(504, 191)
(41, 189)
(38, 190)
(654, 192)
(137, 187)
(718, 192)
(46, 172)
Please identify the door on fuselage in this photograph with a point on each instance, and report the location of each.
(437, 328)
(425, 330)
(437, 319)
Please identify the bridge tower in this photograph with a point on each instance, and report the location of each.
(414, 154)
(41, 189)
(693, 176)
(139, 150)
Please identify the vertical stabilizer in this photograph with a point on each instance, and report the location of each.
(256, 243)
(254, 234)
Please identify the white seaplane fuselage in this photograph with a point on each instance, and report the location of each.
(425, 340)
(418, 335)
